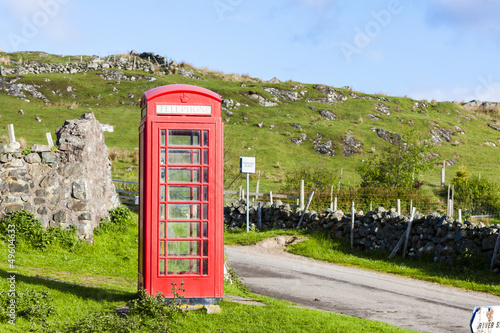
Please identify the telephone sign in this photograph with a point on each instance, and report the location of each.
(181, 238)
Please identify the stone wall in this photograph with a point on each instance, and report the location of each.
(439, 236)
(68, 186)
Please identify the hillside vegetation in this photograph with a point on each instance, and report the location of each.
(285, 125)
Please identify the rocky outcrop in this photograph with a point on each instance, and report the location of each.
(287, 95)
(351, 145)
(323, 148)
(388, 136)
(71, 186)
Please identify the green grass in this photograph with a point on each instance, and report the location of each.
(102, 276)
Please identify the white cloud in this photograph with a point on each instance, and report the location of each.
(480, 15)
(19, 9)
(37, 19)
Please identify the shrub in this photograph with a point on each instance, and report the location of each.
(29, 230)
(36, 306)
(475, 194)
(118, 219)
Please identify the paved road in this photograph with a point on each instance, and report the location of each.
(402, 302)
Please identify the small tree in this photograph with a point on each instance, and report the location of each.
(398, 165)
(476, 194)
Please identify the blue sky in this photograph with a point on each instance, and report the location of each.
(441, 49)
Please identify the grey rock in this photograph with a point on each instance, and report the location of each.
(49, 157)
(33, 158)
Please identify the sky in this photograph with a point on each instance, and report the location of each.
(444, 50)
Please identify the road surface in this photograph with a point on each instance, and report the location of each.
(403, 302)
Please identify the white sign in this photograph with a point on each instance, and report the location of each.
(184, 109)
(485, 319)
(247, 164)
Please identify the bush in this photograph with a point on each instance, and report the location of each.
(29, 230)
(36, 306)
(145, 314)
(474, 194)
(118, 219)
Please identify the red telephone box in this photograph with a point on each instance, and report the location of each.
(181, 186)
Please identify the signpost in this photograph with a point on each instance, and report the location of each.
(247, 165)
(485, 319)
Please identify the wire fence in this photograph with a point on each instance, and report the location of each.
(364, 199)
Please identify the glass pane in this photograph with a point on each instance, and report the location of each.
(183, 266)
(205, 193)
(205, 229)
(184, 212)
(162, 138)
(205, 138)
(205, 248)
(183, 248)
(183, 138)
(205, 266)
(162, 248)
(162, 229)
(163, 153)
(205, 211)
(205, 156)
(183, 230)
(183, 193)
(162, 211)
(184, 175)
(205, 175)
(162, 193)
(162, 266)
(184, 156)
(162, 174)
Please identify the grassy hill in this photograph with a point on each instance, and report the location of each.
(462, 136)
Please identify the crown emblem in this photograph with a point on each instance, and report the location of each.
(184, 98)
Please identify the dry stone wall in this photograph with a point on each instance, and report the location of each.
(439, 236)
(69, 186)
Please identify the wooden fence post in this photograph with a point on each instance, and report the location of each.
(306, 208)
(408, 231)
(460, 215)
(257, 190)
(352, 225)
(271, 197)
(259, 214)
(398, 205)
(335, 204)
(495, 252)
(12, 135)
(301, 194)
(49, 139)
(331, 198)
(406, 234)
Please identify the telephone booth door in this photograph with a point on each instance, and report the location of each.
(184, 234)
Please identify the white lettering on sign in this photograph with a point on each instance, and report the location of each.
(247, 164)
(184, 109)
(485, 319)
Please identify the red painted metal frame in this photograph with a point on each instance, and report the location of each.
(196, 286)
